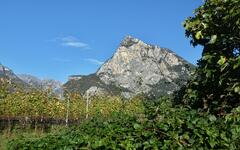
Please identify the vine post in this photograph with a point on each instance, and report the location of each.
(87, 105)
(68, 106)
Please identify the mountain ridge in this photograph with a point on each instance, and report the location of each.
(28, 82)
(135, 68)
(10, 76)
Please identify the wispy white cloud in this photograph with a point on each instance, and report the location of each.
(95, 61)
(71, 41)
(74, 42)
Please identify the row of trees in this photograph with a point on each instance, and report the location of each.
(37, 105)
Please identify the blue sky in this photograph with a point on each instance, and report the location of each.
(58, 38)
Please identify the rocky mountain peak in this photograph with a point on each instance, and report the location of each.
(138, 67)
(129, 41)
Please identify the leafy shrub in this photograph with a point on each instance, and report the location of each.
(215, 87)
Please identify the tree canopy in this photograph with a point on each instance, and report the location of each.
(216, 84)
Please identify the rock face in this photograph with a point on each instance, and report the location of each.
(93, 91)
(137, 67)
(44, 84)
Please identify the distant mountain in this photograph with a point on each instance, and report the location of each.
(28, 81)
(8, 74)
(44, 84)
(31, 80)
(135, 68)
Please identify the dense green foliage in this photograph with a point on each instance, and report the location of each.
(161, 127)
(215, 86)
